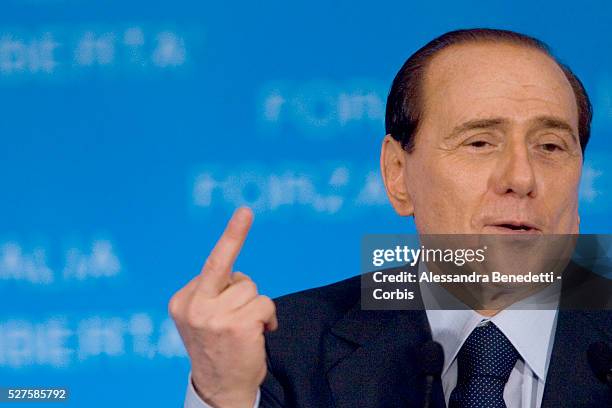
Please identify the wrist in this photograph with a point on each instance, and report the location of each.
(238, 399)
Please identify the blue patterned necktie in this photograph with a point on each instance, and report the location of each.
(485, 362)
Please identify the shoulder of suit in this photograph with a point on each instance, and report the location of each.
(335, 298)
(305, 317)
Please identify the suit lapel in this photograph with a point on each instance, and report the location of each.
(370, 359)
(570, 380)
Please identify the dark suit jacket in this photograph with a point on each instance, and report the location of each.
(328, 352)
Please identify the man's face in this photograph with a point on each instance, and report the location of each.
(497, 150)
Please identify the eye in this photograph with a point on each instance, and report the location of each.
(483, 142)
(551, 147)
(479, 143)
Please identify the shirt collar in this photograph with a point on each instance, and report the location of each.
(531, 332)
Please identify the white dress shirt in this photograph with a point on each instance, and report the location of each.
(531, 331)
(193, 400)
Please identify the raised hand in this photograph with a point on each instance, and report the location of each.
(222, 320)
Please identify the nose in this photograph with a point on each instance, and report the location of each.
(514, 173)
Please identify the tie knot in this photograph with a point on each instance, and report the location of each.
(487, 353)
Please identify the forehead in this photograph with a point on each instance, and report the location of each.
(479, 80)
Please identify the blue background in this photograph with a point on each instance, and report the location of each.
(130, 131)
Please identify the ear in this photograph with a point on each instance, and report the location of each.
(393, 169)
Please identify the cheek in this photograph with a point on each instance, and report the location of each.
(446, 195)
(560, 195)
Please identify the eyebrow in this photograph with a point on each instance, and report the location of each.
(545, 121)
(477, 124)
(553, 122)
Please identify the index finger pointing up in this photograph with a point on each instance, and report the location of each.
(215, 275)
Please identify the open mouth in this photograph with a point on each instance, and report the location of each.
(520, 227)
(515, 227)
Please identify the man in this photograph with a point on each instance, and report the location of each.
(485, 134)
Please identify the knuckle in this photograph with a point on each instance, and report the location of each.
(216, 324)
(181, 298)
(234, 329)
(174, 306)
(195, 318)
(212, 263)
(267, 303)
(250, 287)
(262, 373)
(233, 232)
(240, 276)
(226, 328)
